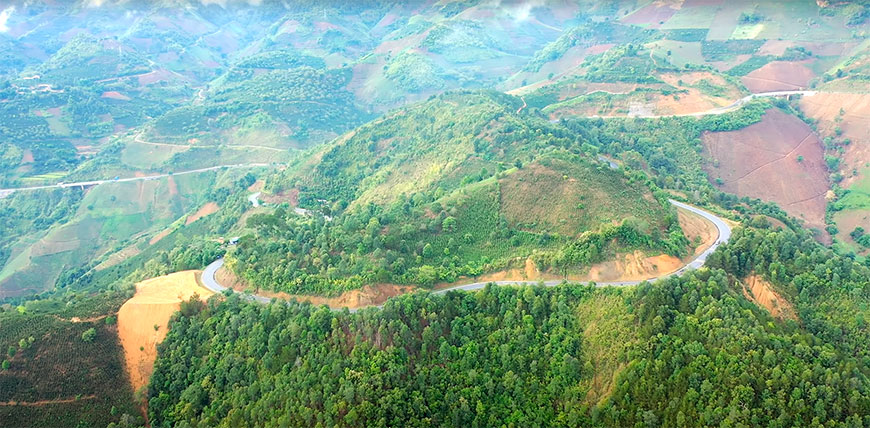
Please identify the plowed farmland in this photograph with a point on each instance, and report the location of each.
(778, 76)
(778, 160)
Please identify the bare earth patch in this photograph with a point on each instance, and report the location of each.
(653, 14)
(156, 238)
(115, 95)
(118, 257)
(855, 125)
(207, 209)
(153, 304)
(370, 295)
(290, 196)
(779, 76)
(779, 160)
(761, 292)
(697, 229)
(633, 267)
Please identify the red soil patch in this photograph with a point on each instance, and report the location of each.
(154, 77)
(633, 267)
(761, 292)
(223, 40)
(290, 196)
(168, 57)
(173, 186)
(153, 304)
(44, 247)
(86, 150)
(760, 161)
(727, 65)
(828, 49)
(257, 186)
(118, 257)
(156, 238)
(114, 95)
(692, 102)
(27, 156)
(697, 229)
(323, 26)
(847, 221)
(599, 49)
(775, 47)
(207, 209)
(855, 125)
(388, 19)
(779, 76)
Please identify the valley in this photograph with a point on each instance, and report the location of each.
(434, 213)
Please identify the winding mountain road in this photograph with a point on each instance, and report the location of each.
(6, 192)
(209, 281)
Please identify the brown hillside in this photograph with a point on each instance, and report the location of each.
(153, 304)
(761, 292)
(779, 76)
(855, 125)
(761, 161)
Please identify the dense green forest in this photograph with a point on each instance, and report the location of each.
(687, 351)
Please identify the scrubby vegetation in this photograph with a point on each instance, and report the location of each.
(371, 226)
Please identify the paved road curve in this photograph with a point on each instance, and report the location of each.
(209, 281)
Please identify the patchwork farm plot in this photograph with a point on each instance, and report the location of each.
(779, 159)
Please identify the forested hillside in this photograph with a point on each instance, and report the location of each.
(689, 351)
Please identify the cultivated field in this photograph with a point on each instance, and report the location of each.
(779, 76)
(778, 159)
(850, 114)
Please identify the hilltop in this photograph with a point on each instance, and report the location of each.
(459, 185)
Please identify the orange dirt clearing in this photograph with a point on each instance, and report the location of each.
(115, 95)
(46, 247)
(290, 196)
(156, 238)
(173, 186)
(653, 14)
(761, 161)
(207, 209)
(695, 226)
(633, 267)
(370, 295)
(153, 304)
(760, 292)
(778, 76)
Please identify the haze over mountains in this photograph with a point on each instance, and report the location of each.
(360, 154)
